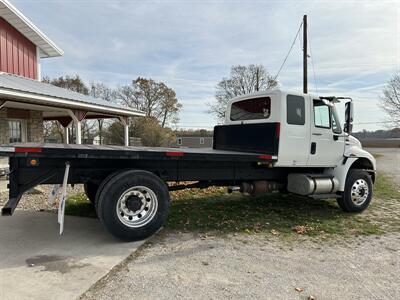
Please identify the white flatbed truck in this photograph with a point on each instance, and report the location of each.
(270, 141)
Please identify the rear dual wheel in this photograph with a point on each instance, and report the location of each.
(133, 205)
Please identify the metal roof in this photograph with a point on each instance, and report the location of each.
(14, 87)
(13, 16)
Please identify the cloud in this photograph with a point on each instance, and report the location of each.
(191, 45)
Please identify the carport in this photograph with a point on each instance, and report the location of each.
(62, 105)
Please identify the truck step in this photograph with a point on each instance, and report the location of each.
(324, 196)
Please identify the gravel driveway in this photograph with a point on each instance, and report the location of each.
(388, 162)
(191, 266)
(186, 266)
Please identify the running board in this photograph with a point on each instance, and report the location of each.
(325, 196)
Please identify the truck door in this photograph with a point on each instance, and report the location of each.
(327, 138)
(294, 143)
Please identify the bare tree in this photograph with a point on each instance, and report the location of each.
(390, 101)
(243, 80)
(76, 84)
(101, 91)
(156, 99)
(73, 83)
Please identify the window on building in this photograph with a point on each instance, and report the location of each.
(179, 141)
(15, 131)
(251, 109)
(322, 114)
(295, 112)
(202, 141)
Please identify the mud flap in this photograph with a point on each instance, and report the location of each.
(61, 205)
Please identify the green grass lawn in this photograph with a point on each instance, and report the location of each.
(80, 206)
(214, 211)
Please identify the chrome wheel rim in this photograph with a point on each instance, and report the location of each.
(359, 192)
(137, 206)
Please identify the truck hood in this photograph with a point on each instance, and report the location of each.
(354, 149)
(354, 142)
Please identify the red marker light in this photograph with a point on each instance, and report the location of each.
(265, 156)
(174, 154)
(27, 150)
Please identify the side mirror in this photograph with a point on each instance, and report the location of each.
(349, 109)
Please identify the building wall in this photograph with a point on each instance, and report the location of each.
(4, 134)
(33, 124)
(18, 55)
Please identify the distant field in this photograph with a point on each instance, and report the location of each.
(380, 143)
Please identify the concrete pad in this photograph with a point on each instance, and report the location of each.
(3, 185)
(37, 263)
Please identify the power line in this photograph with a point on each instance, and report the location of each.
(290, 50)
(312, 63)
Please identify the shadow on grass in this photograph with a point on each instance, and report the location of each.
(212, 210)
(79, 205)
(275, 213)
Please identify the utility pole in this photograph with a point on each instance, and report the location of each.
(305, 81)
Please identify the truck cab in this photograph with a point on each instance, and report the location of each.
(309, 131)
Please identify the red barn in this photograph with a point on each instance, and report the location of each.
(25, 102)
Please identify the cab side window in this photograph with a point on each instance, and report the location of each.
(295, 110)
(322, 115)
(251, 109)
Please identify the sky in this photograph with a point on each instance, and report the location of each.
(191, 45)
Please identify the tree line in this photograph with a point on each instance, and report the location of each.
(162, 107)
(159, 103)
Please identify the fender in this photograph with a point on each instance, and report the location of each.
(354, 157)
(355, 151)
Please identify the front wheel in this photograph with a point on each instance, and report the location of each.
(357, 192)
(133, 205)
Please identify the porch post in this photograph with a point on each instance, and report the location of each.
(77, 116)
(125, 123)
(126, 131)
(78, 132)
(66, 135)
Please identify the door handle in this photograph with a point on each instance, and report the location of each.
(335, 137)
(313, 148)
(317, 134)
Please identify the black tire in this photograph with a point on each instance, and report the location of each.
(353, 177)
(115, 189)
(90, 191)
